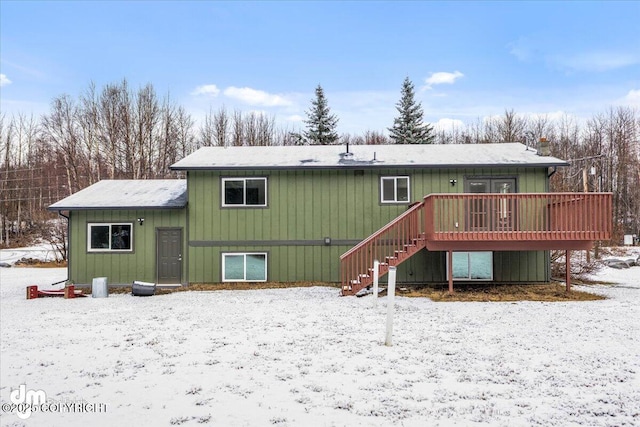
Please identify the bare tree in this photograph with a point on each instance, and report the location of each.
(511, 127)
(221, 127)
(206, 135)
(266, 134)
(237, 128)
(185, 142)
(89, 122)
(61, 129)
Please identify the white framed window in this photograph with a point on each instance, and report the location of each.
(237, 192)
(244, 267)
(472, 266)
(109, 237)
(394, 189)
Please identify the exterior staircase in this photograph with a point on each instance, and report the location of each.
(481, 222)
(393, 244)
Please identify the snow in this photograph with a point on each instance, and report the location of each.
(305, 356)
(42, 252)
(365, 156)
(128, 193)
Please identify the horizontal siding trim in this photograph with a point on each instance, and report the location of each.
(216, 243)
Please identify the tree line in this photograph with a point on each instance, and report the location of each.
(116, 132)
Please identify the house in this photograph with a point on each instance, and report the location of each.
(127, 230)
(441, 213)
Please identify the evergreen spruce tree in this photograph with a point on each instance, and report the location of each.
(408, 127)
(321, 124)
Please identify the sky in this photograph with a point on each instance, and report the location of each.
(467, 60)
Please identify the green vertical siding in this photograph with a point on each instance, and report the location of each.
(120, 268)
(307, 205)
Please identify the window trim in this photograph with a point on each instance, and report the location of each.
(395, 200)
(469, 278)
(109, 250)
(244, 179)
(266, 267)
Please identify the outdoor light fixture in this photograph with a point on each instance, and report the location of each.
(453, 182)
(140, 220)
(327, 241)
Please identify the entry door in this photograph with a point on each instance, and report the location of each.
(169, 254)
(493, 214)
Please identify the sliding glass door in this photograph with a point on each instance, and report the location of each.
(493, 214)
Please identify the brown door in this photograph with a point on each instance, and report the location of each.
(169, 255)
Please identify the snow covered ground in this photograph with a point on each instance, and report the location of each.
(43, 252)
(304, 356)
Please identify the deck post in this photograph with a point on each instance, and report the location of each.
(450, 255)
(376, 273)
(391, 293)
(567, 256)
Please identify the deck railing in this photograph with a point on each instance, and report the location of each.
(518, 217)
(383, 243)
(521, 221)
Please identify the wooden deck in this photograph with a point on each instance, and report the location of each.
(468, 222)
(513, 222)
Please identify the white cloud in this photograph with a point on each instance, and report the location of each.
(633, 98)
(4, 80)
(294, 118)
(256, 97)
(446, 124)
(206, 90)
(442, 77)
(549, 116)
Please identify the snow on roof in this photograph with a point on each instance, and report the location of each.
(365, 156)
(128, 194)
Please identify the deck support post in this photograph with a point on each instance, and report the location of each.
(567, 257)
(391, 294)
(376, 274)
(450, 263)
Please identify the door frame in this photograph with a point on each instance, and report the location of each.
(491, 211)
(180, 254)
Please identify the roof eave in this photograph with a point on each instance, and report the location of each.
(368, 166)
(110, 208)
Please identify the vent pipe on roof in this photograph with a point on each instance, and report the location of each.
(347, 154)
(544, 149)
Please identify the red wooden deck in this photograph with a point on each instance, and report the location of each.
(505, 222)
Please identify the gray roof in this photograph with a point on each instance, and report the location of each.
(128, 194)
(365, 156)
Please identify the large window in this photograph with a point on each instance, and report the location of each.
(472, 266)
(394, 189)
(244, 267)
(244, 192)
(109, 237)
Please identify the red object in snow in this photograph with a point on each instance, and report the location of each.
(69, 291)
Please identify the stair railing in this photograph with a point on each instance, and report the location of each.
(392, 238)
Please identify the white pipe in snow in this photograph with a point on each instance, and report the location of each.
(391, 293)
(376, 269)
